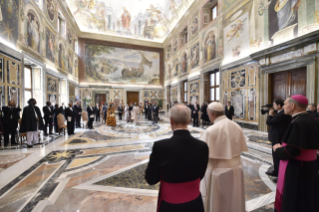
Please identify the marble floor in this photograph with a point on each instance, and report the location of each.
(103, 170)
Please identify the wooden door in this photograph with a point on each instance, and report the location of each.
(99, 98)
(132, 97)
(289, 83)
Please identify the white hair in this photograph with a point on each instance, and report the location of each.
(180, 114)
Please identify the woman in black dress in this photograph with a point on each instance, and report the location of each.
(57, 111)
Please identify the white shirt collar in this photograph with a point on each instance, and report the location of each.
(280, 110)
(180, 129)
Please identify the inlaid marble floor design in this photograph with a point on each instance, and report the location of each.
(107, 174)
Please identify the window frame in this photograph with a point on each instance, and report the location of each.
(185, 91)
(28, 89)
(215, 86)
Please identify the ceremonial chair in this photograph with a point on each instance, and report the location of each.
(61, 124)
(85, 119)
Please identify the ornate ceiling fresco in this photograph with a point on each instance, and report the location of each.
(139, 19)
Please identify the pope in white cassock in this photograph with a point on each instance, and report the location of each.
(223, 185)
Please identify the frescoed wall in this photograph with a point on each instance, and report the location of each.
(241, 86)
(52, 91)
(9, 20)
(113, 65)
(10, 81)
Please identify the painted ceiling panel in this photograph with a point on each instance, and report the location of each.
(149, 20)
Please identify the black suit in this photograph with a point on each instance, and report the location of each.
(48, 118)
(10, 123)
(62, 110)
(229, 113)
(195, 114)
(155, 113)
(97, 113)
(120, 110)
(146, 108)
(77, 109)
(179, 159)
(91, 119)
(70, 124)
(313, 114)
(278, 125)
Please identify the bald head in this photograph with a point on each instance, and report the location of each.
(180, 114)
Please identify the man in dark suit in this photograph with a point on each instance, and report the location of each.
(70, 114)
(62, 109)
(312, 110)
(48, 117)
(91, 113)
(78, 110)
(178, 163)
(10, 122)
(97, 112)
(195, 109)
(31, 122)
(146, 108)
(155, 113)
(120, 109)
(229, 111)
(278, 125)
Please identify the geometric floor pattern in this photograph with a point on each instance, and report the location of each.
(103, 170)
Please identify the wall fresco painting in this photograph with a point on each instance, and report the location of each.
(176, 67)
(13, 73)
(236, 44)
(52, 84)
(184, 63)
(51, 9)
(194, 87)
(238, 78)
(2, 95)
(70, 63)
(238, 100)
(33, 35)
(50, 45)
(118, 65)
(71, 93)
(14, 94)
(62, 60)
(195, 55)
(252, 104)
(210, 47)
(9, 20)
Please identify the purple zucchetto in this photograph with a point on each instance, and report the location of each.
(300, 98)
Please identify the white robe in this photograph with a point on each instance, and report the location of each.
(127, 113)
(223, 185)
(135, 113)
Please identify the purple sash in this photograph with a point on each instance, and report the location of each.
(305, 155)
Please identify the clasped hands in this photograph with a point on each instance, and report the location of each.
(276, 146)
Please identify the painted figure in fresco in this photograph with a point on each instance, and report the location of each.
(70, 35)
(176, 68)
(61, 57)
(155, 15)
(76, 70)
(184, 63)
(286, 12)
(194, 26)
(238, 27)
(126, 19)
(175, 45)
(33, 32)
(169, 70)
(50, 46)
(51, 9)
(210, 47)
(195, 56)
(51, 85)
(70, 63)
(1, 18)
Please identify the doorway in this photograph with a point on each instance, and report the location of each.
(289, 83)
(132, 97)
(99, 98)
